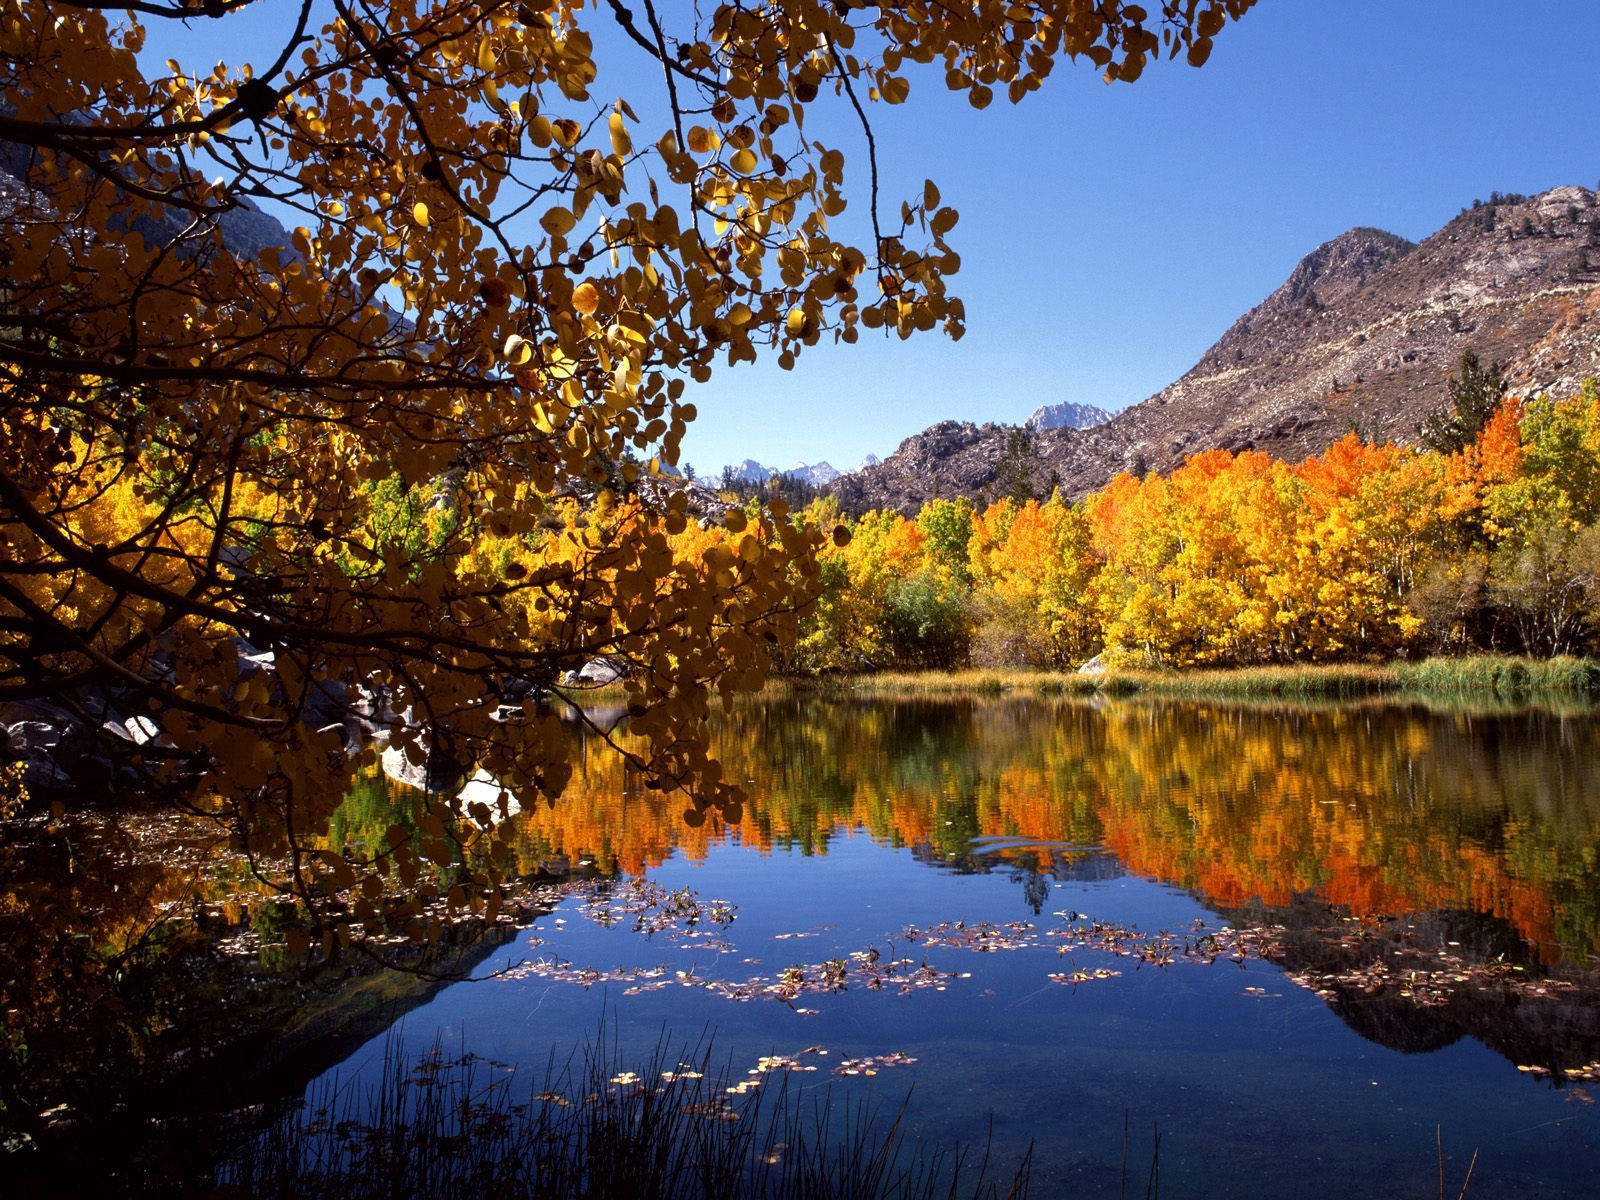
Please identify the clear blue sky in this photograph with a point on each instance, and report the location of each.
(1109, 234)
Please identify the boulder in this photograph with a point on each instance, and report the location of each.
(597, 672)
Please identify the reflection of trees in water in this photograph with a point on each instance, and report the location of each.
(1379, 808)
(1436, 827)
(86, 947)
(1487, 826)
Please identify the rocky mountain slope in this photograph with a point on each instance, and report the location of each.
(1362, 335)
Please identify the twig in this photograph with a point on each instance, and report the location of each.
(1465, 1183)
(1123, 1194)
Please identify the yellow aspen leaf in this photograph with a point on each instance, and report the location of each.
(518, 350)
(621, 143)
(558, 222)
(586, 298)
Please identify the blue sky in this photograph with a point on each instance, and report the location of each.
(1109, 234)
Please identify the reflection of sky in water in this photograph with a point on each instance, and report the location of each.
(1262, 1093)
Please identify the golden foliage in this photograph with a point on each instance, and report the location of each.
(1361, 552)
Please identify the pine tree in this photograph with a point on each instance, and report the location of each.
(1475, 393)
(1014, 476)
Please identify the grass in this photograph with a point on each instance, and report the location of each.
(469, 1128)
(1319, 681)
(1506, 677)
(977, 681)
(1484, 676)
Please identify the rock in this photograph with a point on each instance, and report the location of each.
(1095, 666)
(33, 744)
(327, 701)
(440, 772)
(252, 661)
(484, 788)
(138, 731)
(58, 749)
(597, 672)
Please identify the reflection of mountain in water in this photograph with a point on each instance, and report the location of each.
(1031, 866)
(1423, 981)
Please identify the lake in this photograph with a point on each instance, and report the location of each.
(1294, 940)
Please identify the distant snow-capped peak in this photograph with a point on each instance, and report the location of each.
(816, 474)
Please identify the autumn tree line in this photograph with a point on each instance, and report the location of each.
(1484, 538)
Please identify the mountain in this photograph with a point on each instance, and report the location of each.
(870, 460)
(1362, 335)
(749, 471)
(1067, 415)
(816, 474)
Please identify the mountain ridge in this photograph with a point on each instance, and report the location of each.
(817, 474)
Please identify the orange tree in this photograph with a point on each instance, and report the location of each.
(496, 289)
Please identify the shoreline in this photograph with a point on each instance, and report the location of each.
(1477, 677)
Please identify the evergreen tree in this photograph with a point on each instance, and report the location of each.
(1475, 393)
(1014, 476)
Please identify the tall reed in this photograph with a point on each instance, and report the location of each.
(443, 1129)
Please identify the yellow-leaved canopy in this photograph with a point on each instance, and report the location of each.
(402, 462)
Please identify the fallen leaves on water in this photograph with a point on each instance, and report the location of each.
(1085, 976)
(982, 936)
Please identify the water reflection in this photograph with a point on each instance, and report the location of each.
(1429, 874)
(1380, 809)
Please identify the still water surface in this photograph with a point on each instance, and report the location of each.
(1402, 906)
